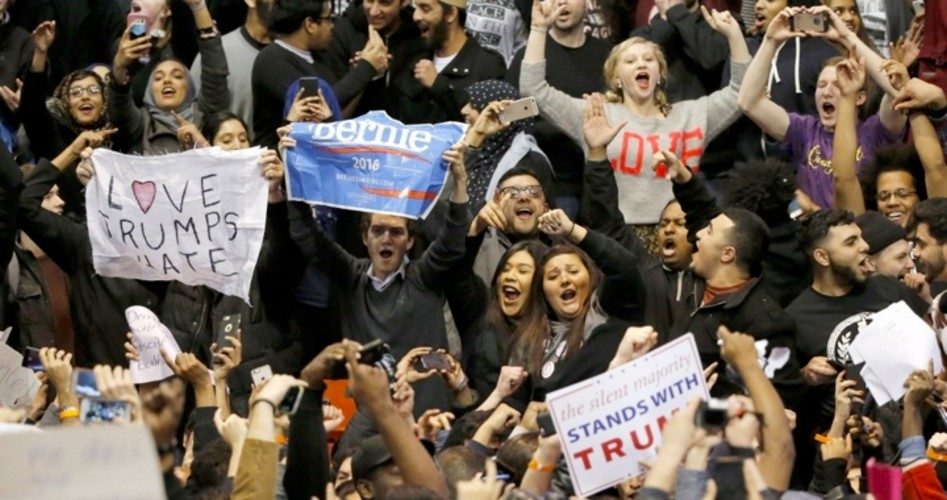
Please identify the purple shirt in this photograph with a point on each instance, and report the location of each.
(809, 146)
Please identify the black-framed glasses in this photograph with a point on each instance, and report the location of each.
(900, 193)
(91, 89)
(517, 191)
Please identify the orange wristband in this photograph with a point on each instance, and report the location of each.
(937, 457)
(534, 465)
(822, 438)
(69, 412)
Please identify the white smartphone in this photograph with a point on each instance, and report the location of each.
(98, 410)
(520, 110)
(261, 374)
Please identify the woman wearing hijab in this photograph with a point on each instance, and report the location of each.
(494, 146)
(152, 129)
(78, 105)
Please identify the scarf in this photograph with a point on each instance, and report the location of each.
(492, 150)
(162, 117)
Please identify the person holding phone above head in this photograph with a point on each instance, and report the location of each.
(808, 139)
(636, 78)
(153, 128)
(496, 144)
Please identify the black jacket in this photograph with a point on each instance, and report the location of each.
(194, 314)
(443, 101)
(749, 310)
(350, 35)
(86, 30)
(98, 303)
(667, 288)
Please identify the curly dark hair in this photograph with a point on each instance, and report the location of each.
(763, 187)
(814, 228)
(932, 212)
(899, 158)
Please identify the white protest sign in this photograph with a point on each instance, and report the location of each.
(18, 384)
(96, 462)
(196, 217)
(608, 423)
(150, 336)
(893, 345)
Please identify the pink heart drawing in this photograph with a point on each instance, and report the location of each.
(144, 193)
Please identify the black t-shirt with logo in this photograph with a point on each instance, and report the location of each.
(826, 326)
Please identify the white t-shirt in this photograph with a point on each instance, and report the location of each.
(441, 62)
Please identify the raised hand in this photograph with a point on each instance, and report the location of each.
(188, 134)
(332, 417)
(851, 76)
(232, 429)
(375, 52)
(780, 28)
(908, 47)
(897, 73)
(85, 170)
(636, 342)
(129, 50)
(491, 215)
(838, 31)
(115, 383)
(556, 223)
(227, 359)
(545, 13)
(510, 379)
(488, 123)
(736, 348)
(432, 422)
(598, 133)
(272, 168)
(43, 36)
(57, 365)
(677, 172)
(722, 22)
(90, 139)
(918, 94)
(454, 156)
(304, 109)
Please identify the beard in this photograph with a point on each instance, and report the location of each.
(438, 35)
(846, 274)
(932, 270)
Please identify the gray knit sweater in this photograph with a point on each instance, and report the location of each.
(684, 131)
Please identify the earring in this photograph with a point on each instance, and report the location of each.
(618, 86)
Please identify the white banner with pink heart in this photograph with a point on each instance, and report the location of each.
(197, 217)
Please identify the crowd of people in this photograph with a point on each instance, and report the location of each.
(762, 175)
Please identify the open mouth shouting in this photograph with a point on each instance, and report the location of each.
(866, 267)
(524, 212)
(668, 247)
(510, 294)
(386, 253)
(168, 92)
(759, 22)
(828, 109)
(643, 80)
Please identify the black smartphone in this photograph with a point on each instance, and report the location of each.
(310, 86)
(31, 359)
(432, 361)
(139, 25)
(372, 352)
(228, 327)
(544, 421)
(712, 414)
(291, 400)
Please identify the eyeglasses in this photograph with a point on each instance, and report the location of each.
(394, 232)
(899, 193)
(517, 191)
(78, 91)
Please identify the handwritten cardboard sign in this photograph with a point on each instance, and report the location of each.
(196, 217)
(18, 384)
(150, 336)
(608, 423)
(95, 462)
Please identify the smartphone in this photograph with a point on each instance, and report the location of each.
(99, 410)
(835, 364)
(31, 359)
(544, 421)
(712, 414)
(432, 361)
(261, 374)
(520, 110)
(372, 352)
(228, 328)
(807, 21)
(139, 24)
(310, 86)
(84, 384)
(290, 402)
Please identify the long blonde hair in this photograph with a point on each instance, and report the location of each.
(613, 92)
